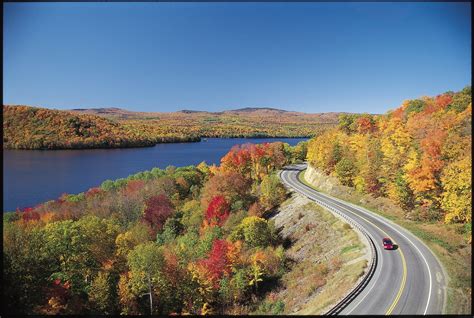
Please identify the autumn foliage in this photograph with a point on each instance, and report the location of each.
(418, 155)
(255, 161)
(157, 209)
(249, 122)
(29, 214)
(28, 127)
(217, 211)
(181, 236)
(217, 264)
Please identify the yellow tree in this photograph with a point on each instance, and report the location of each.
(456, 198)
(359, 146)
(395, 146)
(324, 150)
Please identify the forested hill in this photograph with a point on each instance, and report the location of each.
(418, 155)
(40, 128)
(27, 127)
(244, 122)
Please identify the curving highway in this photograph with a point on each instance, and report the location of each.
(408, 280)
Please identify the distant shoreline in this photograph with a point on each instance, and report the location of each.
(191, 140)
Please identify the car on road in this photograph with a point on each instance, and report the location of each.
(387, 243)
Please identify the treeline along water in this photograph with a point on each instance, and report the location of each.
(34, 176)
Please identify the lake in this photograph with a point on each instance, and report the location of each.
(34, 176)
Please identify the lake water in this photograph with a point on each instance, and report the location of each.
(34, 176)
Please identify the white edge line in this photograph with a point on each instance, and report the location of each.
(382, 220)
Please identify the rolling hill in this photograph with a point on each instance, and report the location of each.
(28, 127)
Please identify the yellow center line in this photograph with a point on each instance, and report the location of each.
(402, 286)
(404, 265)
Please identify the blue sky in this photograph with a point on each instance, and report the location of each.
(311, 57)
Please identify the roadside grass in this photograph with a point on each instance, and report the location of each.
(343, 280)
(447, 241)
(328, 269)
(349, 248)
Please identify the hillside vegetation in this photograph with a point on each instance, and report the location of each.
(181, 240)
(418, 155)
(329, 258)
(246, 122)
(40, 128)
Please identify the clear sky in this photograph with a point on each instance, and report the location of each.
(311, 57)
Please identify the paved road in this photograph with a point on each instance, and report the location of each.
(408, 280)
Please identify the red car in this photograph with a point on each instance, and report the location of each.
(387, 243)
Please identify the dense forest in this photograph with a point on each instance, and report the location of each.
(418, 155)
(188, 240)
(246, 122)
(40, 128)
(27, 127)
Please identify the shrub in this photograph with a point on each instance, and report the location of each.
(254, 231)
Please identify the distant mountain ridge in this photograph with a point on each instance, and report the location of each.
(189, 111)
(124, 113)
(254, 109)
(104, 110)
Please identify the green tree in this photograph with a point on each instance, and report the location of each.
(461, 101)
(170, 231)
(336, 155)
(415, 106)
(81, 248)
(67, 245)
(99, 236)
(300, 151)
(272, 191)
(26, 268)
(346, 123)
(405, 196)
(254, 230)
(345, 171)
(102, 294)
(146, 263)
(192, 214)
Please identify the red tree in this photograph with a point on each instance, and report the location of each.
(443, 100)
(93, 192)
(29, 214)
(232, 185)
(217, 211)
(237, 159)
(217, 263)
(365, 125)
(134, 186)
(157, 209)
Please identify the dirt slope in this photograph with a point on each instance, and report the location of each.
(329, 257)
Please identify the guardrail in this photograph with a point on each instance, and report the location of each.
(372, 265)
(359, 288)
